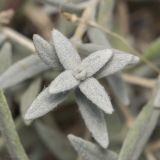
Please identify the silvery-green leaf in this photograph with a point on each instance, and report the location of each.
(119, 88)
(50, 9)
(44, 103)
(140, 132)
(64, 82)
(96, 93)
(94, 119)
(118, 61)
(5, 57)
(95, 61)
(98, 37)
(22, 70)
(87, 48)
(9, 132)
(157, 100)
(67, 7)
(75, 7)
(106, 8)
(117, 84)
(65, 26)
(46, 51)
(56, 142)
(2, 39)
(28, 97)
(157, 96)
(67, 54)
(142, 129)
(90, 151)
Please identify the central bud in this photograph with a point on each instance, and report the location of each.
(80, 74)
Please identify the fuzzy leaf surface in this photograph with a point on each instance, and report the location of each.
(44, 103)
(118, 61)
(95, 61)
(67, 54)
(22, 70)
(5, 57)
(46, 51)
(115, 81)
(28, 97)
(64, 82)
(96, 93)
(94, 119)
(90, 151)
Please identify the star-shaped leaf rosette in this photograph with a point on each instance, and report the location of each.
(80, 76)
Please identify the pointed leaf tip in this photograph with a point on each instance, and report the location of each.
(96, 93)
(67, 54)
(94, 119)
(46, 51)
(44, 103)
(86, 149)
(118, 61)
(90, 151)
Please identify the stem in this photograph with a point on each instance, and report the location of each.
(9, 132)
(87, 15)
(140, 81)
(19, 38)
